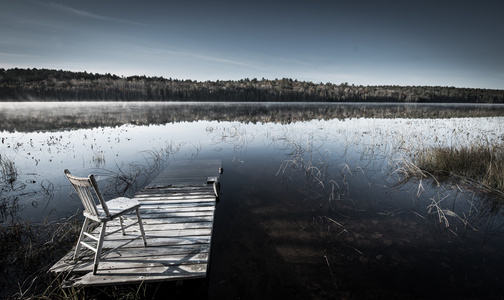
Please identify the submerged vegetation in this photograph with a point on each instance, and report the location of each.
(52, 85)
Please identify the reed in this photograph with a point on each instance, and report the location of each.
(482, 165)
(9, 203)
(8, 171)
(26, 253)
(131, 177)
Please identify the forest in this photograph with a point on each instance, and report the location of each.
(59, 85)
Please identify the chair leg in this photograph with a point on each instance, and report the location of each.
(140, 224)
(81, 237)
(99, 246)
(122, 225)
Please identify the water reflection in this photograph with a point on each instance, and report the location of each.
(313, 186)
(51, 116)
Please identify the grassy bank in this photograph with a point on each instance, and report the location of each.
(480, 165)
(26, 253)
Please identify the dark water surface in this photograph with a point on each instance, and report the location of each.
(312, 206)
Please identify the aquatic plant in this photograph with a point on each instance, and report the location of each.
(472, 173)
(133, 176)
(9, 203)
(480, 165)
(8, 171)
(99, 159)
(306, 156)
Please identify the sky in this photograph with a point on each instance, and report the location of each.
(362, 42)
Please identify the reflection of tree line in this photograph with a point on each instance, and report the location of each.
(43, 85)
(115, 115)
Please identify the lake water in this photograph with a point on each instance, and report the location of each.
(312, 204)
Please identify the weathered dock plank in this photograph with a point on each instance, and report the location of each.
(177, 211)
(145, 274)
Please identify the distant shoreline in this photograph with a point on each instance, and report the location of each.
(25, 85)
(53, 116)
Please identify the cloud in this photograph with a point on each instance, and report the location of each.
(150, 51)
(17, 54)
(86, 14)
(221, 60)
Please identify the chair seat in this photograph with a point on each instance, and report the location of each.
(117, 206)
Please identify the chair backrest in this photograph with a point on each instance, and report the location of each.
(88, 191)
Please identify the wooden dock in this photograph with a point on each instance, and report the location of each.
(177, 211)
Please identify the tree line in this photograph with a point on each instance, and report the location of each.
(58, 85)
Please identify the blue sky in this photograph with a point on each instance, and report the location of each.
(363, 42)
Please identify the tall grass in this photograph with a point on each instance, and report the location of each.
(26, 253)
(8, 171)
(482, 165)
(9, 204)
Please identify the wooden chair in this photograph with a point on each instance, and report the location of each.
(88, 192)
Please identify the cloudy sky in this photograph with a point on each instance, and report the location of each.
(364, 42)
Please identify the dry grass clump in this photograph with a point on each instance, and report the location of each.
(482, 165)
(27, 251)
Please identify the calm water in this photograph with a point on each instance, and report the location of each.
(312, 204)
